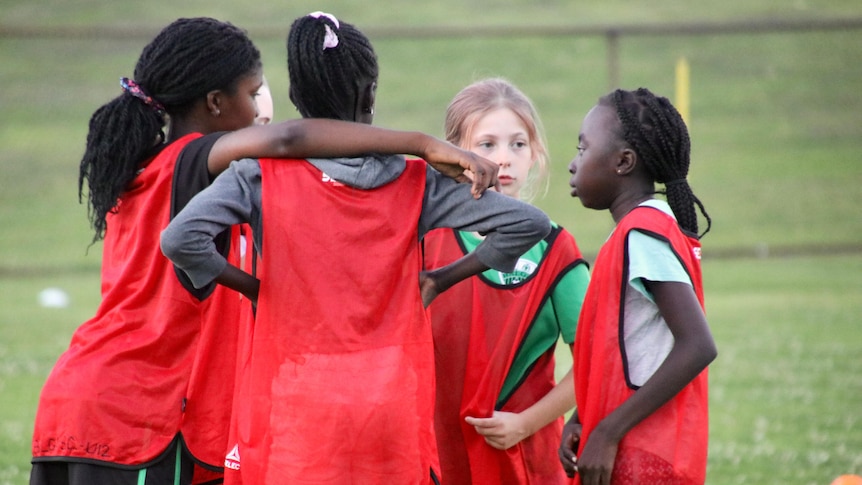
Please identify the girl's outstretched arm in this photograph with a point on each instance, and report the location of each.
(692, 351)
(320, 138)
(504, 430)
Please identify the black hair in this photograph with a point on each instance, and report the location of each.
(186, 60)
(658, 134)
(325, 81)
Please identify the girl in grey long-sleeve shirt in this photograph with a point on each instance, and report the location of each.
(371, 329)
(340, 358)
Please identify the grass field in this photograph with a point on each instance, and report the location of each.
(776, 126)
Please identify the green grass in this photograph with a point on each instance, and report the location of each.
(33, 338)
(784, 392)
(787, 387)
(776, 125)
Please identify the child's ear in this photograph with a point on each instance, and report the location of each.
(214, 102)
(369, 96)
(626, 162)
(363, 109)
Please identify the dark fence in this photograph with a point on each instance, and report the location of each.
(612, 33)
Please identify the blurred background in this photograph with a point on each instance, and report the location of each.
(775, 117)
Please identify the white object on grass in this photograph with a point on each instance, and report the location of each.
(53, 298)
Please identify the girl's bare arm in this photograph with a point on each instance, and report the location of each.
(692, 351)
(320, 138)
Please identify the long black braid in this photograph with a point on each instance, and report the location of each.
(658, 134)
(325, 80)
(185, 61)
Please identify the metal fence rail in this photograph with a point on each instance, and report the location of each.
(611, 33)
(753, 26)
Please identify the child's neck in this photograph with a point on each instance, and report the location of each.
(182, 126)
(623, 207)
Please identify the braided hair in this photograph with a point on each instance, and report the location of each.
(328, 63)
(658, 134)
(186, 60)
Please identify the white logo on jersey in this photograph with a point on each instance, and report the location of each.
(523, 269)
(329, 180)
(232, 459)
(696, 252)
(525, 266)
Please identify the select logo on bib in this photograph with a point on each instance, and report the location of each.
(232, 459)
(329, 180)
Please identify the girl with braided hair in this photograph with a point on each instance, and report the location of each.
(643, 343)
(337, 383)
(143, 393)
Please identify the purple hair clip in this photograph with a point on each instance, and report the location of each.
(135, 90)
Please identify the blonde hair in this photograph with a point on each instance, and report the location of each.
(482, 97)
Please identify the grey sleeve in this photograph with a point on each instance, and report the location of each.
(510, 226)
(233, 198)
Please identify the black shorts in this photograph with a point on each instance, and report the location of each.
(174, 467)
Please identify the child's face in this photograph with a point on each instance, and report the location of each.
(238, 110)
(264, 106)
(594, 180)
(500, 136)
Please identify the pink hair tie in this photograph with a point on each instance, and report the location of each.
(330, 40)
(135, 90)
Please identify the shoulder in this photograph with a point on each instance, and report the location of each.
(654, 217)
(560, 237)
(243, 175)
(246, 166)
(195, 152)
